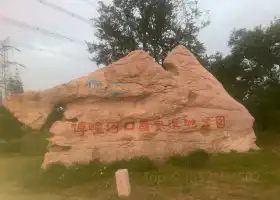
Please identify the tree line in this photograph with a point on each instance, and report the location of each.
(250, 72)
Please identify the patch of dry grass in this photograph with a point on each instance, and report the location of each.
(232, 176)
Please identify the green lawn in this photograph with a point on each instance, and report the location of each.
(233, 176)
(240, 176)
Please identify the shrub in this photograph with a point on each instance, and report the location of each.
(195, 159)
(11, 146)
(10, 126)
(34, 144)
(177, 160)
(198, 158)
(137, 164)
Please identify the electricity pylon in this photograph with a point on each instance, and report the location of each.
(5, 65)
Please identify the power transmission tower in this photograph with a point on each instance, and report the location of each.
(5, 66)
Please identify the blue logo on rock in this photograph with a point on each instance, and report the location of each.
(116, 89)
(93, 83)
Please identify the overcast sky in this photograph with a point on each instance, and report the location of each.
(70, 60)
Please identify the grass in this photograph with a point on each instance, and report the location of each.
(240, 176)
(196, 159)
(199, 176)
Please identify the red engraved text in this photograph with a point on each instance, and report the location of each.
(81, 127)
(129, 125)
(91, 127)
(205, 123)
(98, 127)
(174, 123)
(190, 122)
(159, 125)
(144, 125)
(220, 121)
(74, 127)
(113, 126)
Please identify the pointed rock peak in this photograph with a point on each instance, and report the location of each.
(182, 55)
(137, 52)
(180, 49)
(180, 59)
(134, 55)
(182, 63)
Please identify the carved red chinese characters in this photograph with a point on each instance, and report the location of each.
(91, 126)
(220, 121)
(81, 128)
(113, 127)
(144, 125)
(129, 126)
(190, 122)
(159, 124)
(205, 123)
(174, 123)
(98, 128)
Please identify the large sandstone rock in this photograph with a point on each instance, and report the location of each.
(134, 107)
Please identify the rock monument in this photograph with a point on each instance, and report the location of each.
(134, 107)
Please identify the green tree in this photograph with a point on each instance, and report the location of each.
(156, 26)
(251, 72)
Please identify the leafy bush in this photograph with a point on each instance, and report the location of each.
(137, 164)
(177, 160)
(10, 126)
(196, 159)
(11, 146)
(34, 144)
(31, 144)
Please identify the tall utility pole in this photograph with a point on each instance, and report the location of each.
(5, 64)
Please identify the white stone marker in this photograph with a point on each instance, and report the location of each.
(122, 181)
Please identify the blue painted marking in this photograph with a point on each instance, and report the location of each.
(92, 83)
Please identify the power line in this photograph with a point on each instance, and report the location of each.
(34, 28)
(89, 2)
(65, 11)
(50, 51)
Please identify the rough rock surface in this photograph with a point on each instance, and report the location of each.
(134, 107)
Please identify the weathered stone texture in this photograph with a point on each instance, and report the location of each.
(173, 111)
